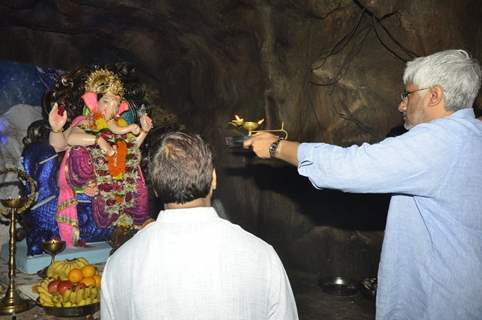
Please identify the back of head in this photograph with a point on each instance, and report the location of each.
(181, 167)
(454, 70)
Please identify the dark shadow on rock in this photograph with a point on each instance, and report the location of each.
(323, 207)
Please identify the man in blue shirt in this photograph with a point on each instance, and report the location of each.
(431, 262)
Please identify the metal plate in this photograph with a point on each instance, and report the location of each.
(339, 286)
(81, 311)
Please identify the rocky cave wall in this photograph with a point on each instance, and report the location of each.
(329, 69)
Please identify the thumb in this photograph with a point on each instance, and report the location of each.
(248, 143)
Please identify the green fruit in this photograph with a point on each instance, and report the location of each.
(86, 292)
(80, 295)
(94, 293)
(73, 297)
(66, 295)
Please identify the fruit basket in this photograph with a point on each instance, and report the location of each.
(71, 289)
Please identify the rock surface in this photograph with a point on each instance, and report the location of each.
(329, 69)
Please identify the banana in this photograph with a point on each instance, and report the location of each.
(67, 304)
(86, 292)
(52, 271)
(94, 293)
(46, 301)
(66, 270)
(82, 303)
(45, 297)
(66, 295)
(44, 284)
(83, 261)
(56, 298)
(43, 291)
(73, 297)
(57, 270)
(80, 296)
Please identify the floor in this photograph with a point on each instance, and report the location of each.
(314, 304)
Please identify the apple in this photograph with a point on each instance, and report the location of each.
(53, 286)
(63, 286)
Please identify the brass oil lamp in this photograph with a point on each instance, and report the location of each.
(12, 302)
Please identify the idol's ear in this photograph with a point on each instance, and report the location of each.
(90, 100)
(124, 106)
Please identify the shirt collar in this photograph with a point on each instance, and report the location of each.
(465, 113)
(187, 215)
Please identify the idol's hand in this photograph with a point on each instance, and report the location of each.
(105, 146)
(91, 190)
(57, 121)
(134, 128)
(260, 143)
(146, 123)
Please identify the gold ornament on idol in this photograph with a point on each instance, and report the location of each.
(104, 81)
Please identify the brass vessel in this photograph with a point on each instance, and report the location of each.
(52, 247)
(251, 126)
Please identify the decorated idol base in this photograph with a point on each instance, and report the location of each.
(94, 252)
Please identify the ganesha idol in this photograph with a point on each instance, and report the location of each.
(100, 184)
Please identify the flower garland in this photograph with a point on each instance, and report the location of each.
(99, 122)
(116, 176)
(117, 162)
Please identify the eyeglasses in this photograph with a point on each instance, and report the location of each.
(404, 95)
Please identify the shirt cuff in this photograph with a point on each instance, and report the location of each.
(305, 154)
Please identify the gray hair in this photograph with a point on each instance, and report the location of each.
(454, 70)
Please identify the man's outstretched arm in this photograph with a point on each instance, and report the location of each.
(285, 150)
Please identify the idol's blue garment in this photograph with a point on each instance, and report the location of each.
(431, 263)
(41, 162)
(89, 231)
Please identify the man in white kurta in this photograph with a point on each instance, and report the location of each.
(191, 264)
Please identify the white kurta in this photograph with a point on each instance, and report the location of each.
(191, 264)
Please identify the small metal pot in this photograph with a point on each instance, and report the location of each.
(369, 287)
(339, 286)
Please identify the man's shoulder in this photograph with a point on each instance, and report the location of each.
(248, 239)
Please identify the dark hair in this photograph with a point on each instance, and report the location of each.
(37, 131)
(181, 167)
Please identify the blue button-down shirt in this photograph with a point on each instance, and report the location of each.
(431, 262)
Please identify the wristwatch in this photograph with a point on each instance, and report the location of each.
(273, 148)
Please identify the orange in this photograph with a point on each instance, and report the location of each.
(88, 271)
(75, 275)
(89, 282)
(97, 280)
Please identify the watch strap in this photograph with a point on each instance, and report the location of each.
(273, 148)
